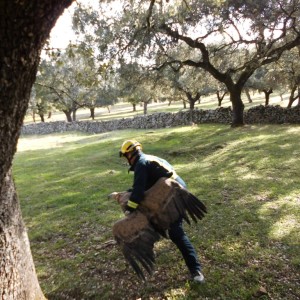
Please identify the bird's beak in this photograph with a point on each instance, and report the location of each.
(113, 195)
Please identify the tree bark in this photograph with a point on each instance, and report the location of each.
(220, 97)
(248, 96)
(92, 110)
(292, 97)
(42, 117)
(267, 96)
(74, 109)
(237, 107)
(145, 105)
(24, 27)
(68, 114)
(18, 279)
(192, 100)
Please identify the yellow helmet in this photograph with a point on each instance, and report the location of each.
(130, 145)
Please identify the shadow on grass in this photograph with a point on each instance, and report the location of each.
(248, 243)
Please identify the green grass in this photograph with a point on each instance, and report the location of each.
(248, 244)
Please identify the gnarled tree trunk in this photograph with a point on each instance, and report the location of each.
(18, 279)
(24, 27)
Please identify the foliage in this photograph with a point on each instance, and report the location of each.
(228, 39)
(139, 85)
(38, 103)
(73, 79)
(248, 243)
(290, 75)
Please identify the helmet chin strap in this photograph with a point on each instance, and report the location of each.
(131, 156)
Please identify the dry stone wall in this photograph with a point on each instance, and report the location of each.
(256, 115)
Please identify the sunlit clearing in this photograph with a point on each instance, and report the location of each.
(183, 129)
(251, 176)
(175, 293)
(286, 222)
(285, 226)
(58, 141)
(46, 142)
(295, 129)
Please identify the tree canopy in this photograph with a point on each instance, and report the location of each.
(228, 39)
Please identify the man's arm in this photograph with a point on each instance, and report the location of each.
(139, 186)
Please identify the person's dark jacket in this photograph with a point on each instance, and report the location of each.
(147, 170)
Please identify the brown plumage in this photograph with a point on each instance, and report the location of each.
(164, 203)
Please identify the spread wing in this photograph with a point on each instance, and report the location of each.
(136, 238)
(163, 204)
(167, 201)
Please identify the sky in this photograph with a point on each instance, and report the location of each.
(62, 32)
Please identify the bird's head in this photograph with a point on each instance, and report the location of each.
(121, 197)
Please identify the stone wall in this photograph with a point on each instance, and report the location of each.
(256, 115)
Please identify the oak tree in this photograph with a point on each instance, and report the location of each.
(24, 27)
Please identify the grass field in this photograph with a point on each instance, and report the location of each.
(248, 244)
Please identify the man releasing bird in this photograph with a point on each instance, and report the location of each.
(155, 206)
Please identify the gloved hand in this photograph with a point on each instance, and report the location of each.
(130, 207)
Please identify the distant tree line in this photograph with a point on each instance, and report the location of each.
(173, 51)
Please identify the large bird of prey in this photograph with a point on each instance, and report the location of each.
(164, 203)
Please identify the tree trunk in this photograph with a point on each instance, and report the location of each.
(267, 96)
(220, 97)
(73, 115)
(145, 107)
(248, 95)
(192, 105)
(192, 100)
(237, 107)
(292, 97)
(18, 279)
(24, 28)
(68, 114)
(281, 97)
(42, 117)
(92, 110)
(74, 109)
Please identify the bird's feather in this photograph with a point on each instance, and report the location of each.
(163, 204)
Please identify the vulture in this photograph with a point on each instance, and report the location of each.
(164, 203)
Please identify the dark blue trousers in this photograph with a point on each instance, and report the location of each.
(180, 239)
